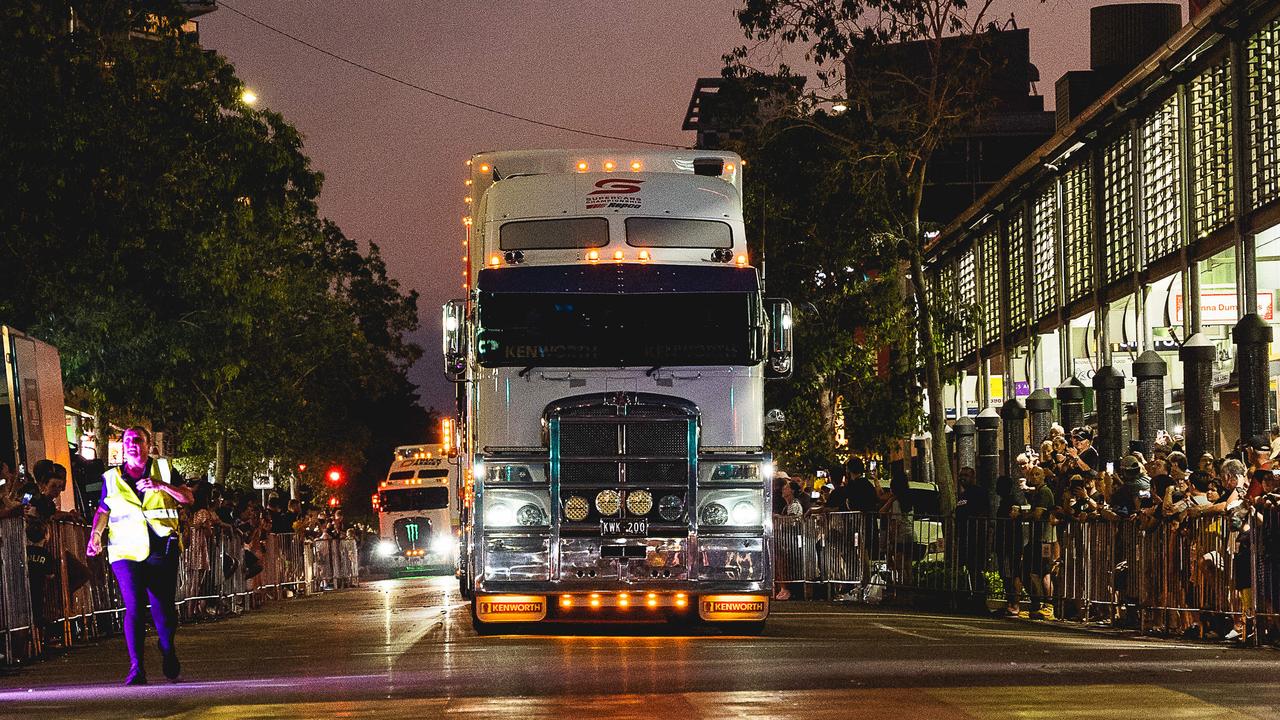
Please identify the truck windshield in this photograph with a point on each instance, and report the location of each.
(425, 498)
(522, 329)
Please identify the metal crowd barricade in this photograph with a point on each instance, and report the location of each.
(796, 544)
(82, 601)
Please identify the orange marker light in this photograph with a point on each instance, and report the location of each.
(637, 166)
(617, 254)
(609, 165)
(467, 182)
(467, 199)
(582, 166)
(495, 260)
(566, 601)
(484, 168)
(595, 599)
(728, 167)
(742, 260)
(593, 255)
(644, 255)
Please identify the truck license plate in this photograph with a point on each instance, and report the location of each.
(631, 527)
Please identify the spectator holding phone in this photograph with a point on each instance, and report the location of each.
(1082, 456)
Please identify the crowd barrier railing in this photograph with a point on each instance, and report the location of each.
(217, 576)
(1176, 577)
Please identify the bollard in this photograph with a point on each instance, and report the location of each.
(1040, 410)
(1013, 417)
(966, 434)
(988, 424)
(1197, 355)
(1108, 384)
(1070, 404)
(1252, 337)
(1150, 370)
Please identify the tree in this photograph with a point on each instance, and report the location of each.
(911, 71)
(166, 237)
(818, 233)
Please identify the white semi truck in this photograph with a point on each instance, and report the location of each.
(610, 354)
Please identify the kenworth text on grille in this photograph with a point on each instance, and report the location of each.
(610, 357)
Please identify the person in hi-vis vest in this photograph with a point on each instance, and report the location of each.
(139, 503)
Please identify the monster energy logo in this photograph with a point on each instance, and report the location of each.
(411, 531)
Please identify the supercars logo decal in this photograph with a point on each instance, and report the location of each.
(613, 193)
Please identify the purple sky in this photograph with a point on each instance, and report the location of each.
(393, 157)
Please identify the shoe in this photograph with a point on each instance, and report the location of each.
(171, 666)
(1233, 635)
(136, 676)
(1044, 613)
(782, 594)
(1191, 633)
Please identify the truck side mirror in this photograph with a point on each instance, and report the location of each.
(454, 342)
(778, 358)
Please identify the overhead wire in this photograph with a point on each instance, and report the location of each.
(436, 93)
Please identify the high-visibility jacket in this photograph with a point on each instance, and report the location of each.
(130, 516)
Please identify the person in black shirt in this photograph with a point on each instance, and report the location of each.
(49, 482)
(973, 512)
(1082, 456)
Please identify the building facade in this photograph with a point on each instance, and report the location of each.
(1131, 263)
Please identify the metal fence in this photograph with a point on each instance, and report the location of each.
(1213, 572)
(217, 576)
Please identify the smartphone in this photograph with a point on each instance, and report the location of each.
(26, 498)
(1111, 467)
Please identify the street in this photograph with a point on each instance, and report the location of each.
(405, 648)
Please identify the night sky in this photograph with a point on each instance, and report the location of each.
(393, 156)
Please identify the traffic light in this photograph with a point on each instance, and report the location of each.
(334, 501)
(302, 467)
(335, 476)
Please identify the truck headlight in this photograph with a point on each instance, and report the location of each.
(576, 508)
(639, 502)
(442, 545)
(671, 508)
(713, 514)
(386, 548)
(608, 502)
(530, 515)
(745, 513)
(501, 514)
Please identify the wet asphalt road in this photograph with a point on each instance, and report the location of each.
(405, 649)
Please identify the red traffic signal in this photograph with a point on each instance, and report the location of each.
(302, 467)
(335, 475)
(334, 501)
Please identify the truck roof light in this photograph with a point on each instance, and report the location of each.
(728, 167)
(495, 259)
(644, 256)
(610, 165)
(637, 166)
(484, 167)
(593, 255)
(467, 182)
(617, 254)
(742, 259)
(582, 166)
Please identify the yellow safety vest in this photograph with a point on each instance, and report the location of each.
(130, 516)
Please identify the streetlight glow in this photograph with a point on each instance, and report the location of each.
(248, 97)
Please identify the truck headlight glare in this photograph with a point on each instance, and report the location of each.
(442, 545)
(713, 514)
(671, 508)
(531, 515)
(639, 502)
(386, 548)
(608, 502)
(576, 508)
(745, 513)
(501, 514)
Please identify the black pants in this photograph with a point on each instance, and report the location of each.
(156, 580)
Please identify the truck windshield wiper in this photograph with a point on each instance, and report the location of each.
(652, 370)
(526, 371)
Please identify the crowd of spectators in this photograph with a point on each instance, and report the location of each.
(1192, 543)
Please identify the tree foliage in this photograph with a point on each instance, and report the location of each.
(165, 236)
(911, 73)
(821, 235)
